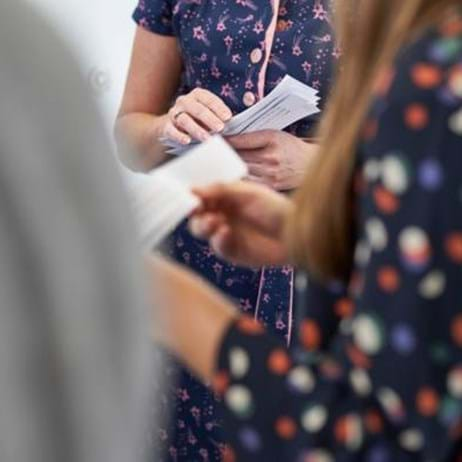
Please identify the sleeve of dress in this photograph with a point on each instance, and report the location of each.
(319, 309)
(155, 16)
(390, 388)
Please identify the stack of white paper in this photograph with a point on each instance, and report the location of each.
(289, 102)
(163, 198)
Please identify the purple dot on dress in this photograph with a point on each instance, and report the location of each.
(437, 54)
(430, 174)
(403, 339)
(414, 267)
(250, 439)
(335, 287)
(447, 97)
(378, 454)
(442, 50)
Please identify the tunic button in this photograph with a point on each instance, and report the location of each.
(249, 98)
(256, 55)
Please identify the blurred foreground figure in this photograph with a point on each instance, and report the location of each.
(73, 353)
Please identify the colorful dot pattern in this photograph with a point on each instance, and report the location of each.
(383, 384)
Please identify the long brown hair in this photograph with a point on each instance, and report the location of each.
(370, 33)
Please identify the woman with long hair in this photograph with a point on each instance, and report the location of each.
(380, 210)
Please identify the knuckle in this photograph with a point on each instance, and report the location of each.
(182, 120)
(273, 159)
(274, 176)
(210, 100)
(193, 109)
(271, 136)
(180, 100)
(274, 183)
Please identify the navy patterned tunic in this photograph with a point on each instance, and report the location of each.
(239, 50)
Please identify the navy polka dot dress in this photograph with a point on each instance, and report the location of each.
(378, 377)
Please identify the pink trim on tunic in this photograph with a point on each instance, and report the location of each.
(291, 308)
(269, 38)
(260, 290)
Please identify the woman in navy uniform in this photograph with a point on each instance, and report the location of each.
(196, 63)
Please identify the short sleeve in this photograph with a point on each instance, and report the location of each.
(155, 16)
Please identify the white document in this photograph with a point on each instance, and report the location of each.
(289, 102)
(163, 198)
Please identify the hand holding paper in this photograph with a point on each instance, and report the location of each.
(289, 102)
(163, 198)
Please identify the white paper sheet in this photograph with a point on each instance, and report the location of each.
(163, 198)
(289, 102)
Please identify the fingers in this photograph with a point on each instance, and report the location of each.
(249, 141)
(213, 229)
(222, 242)
(212, 197)
(261, 170)
(227, 198)
(264, 156)
(262, 181)
(187, 124)
(200, 112)
(173, 133)
(214, 103)
(205, 226)
(262, 174)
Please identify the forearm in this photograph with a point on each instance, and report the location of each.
(137, 136)
(189, 316)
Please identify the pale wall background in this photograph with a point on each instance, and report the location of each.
(101, 34)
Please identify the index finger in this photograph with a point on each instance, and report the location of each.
(210, 196)
(214, 103)
(227, 197)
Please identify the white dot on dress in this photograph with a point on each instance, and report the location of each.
(301, 379)
(395, 175)
(377, 234)
(239, 362)
(239, 400)
(432, 285)
(314, 419)
(360, 382)
(455, 382)
(411, 440)
(367, 334)
(455, 122)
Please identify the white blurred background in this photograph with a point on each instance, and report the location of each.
(101, 34)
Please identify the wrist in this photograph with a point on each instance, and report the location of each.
(156, 129)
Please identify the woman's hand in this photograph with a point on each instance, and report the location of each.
(275, 158)
(244, 223)
(195, 116)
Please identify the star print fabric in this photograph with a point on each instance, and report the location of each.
(239, 50)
